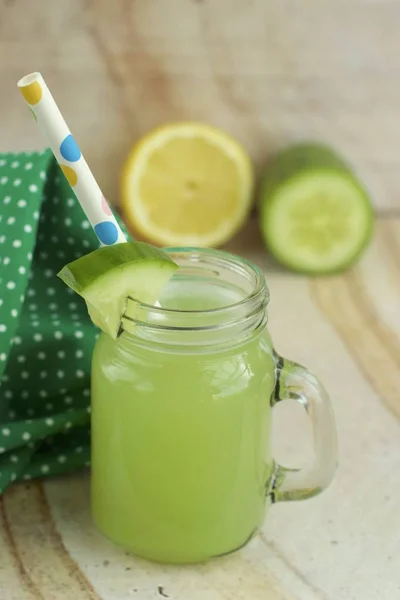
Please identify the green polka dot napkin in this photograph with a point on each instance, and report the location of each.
(46, 337)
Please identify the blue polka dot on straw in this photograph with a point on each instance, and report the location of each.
(69, 149)
(106, 232)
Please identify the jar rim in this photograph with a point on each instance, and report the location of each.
(261, 287)
(247, 312)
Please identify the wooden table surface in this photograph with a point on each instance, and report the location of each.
(269, 73)
(342, 545)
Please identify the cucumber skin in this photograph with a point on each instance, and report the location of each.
(107, 258)
(293, 163)
(298, 159)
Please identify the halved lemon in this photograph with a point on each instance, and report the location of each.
(186, 184)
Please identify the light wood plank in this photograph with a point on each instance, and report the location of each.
(270, 73)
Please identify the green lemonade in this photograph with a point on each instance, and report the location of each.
(181, 436)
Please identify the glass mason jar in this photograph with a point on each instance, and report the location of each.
(181, 416)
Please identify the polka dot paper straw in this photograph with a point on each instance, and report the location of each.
(67, 152)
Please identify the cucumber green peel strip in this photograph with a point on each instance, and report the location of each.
(106, 277)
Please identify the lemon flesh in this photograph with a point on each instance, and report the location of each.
(187, 184)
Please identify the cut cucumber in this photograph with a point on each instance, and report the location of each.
(316, 217)
(106, 277)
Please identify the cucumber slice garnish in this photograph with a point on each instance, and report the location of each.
(106, 277)
(316, 217)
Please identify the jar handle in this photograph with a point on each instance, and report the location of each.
(294, 382)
